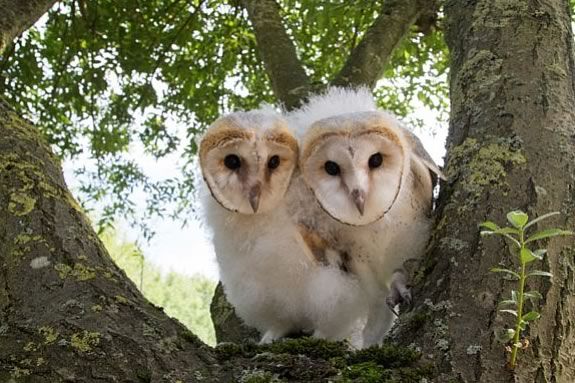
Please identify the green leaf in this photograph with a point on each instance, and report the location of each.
(533, 294)
(489, 225)
(507, 302)
(517, 218)
(531, 316)
(539, 253)
(512, 312)
(526, 255)
(547, 233)
(514, 295)
(539, 273)
(508, 334)
(506, 271)
(515, 241)
(540, 218)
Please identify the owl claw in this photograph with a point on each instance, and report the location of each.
(400, 292)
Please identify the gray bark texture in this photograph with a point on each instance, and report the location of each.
(289, 81)
(511, 145)
(368, 59)
(18, 15)
(68, 314)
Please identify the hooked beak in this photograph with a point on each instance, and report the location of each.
(358, 197)
(254, 196)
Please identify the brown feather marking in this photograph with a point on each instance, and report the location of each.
(282, 136)
(422, 185)
(221, 133)
(316, 244)
(320, 133)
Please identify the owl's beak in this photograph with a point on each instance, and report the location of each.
(254, 196)
(358, 197)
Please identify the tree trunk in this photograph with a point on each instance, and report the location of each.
(19, 15)
(67, 312)
(511, 145)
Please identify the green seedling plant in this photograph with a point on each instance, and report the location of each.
(520, 244)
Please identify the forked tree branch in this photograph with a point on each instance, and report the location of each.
(18, 15)
(289, 81)
(368, 59)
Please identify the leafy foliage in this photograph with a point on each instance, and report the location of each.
(101, 78)
(518, 238)
(184, 298)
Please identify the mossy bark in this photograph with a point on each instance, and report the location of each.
(67, 313)
(511, 145)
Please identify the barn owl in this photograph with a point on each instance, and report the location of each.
(372, 182)
(279, 274)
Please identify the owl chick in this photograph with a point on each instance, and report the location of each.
(374, 182)
(280, 276)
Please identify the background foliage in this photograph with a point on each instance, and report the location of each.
(185, 298)
(102, 77)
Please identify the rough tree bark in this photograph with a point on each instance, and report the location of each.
(511, 145)
(289, 81)
(19, 15)
(368, 59)
(68, 314)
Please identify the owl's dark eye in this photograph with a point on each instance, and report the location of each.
(232, 162)
(331, 168)
(375, 161)
(273, 162)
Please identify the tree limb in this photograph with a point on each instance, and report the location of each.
(18, 15)
(367, 61)
(289, 81)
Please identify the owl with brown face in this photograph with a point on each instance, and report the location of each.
(280, 274)
(370, 185)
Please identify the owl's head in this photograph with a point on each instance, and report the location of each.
(247, 159)
(355, 163)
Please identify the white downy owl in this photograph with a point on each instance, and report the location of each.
(281, 276)
(372, 182)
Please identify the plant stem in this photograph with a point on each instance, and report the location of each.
(522, 278)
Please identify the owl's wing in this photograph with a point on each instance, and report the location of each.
(419, 150)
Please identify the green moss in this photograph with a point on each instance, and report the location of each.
(79, 272)
(387, 363)
(18, 372)
(22, 239)
(96, 308)
(387, 355)
(312, 347)
(478, 167)
(121, 299)
(30, 347)
(367, 372)
(21, 204)
(63, 270)
(84, 341)
(50, 335)
(258, 376)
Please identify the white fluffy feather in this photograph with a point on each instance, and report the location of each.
(332, 102)
(272, 279)
(379, 248)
